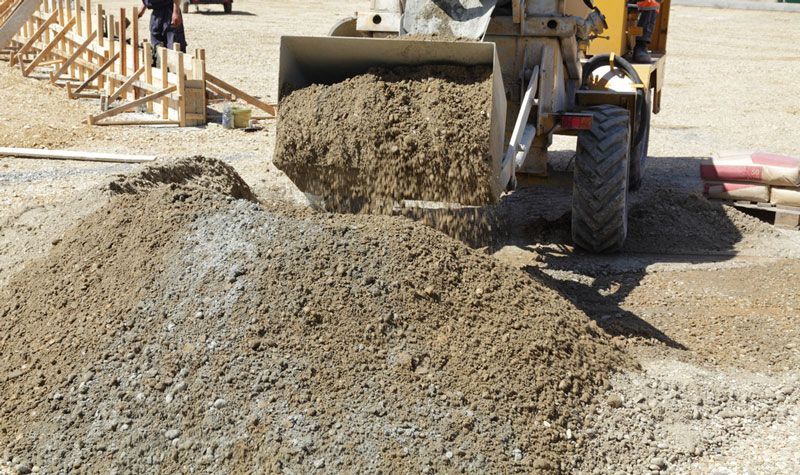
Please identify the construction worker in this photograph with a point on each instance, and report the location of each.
(648, 12)
(166, 24)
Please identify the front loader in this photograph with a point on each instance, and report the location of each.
(559, 67)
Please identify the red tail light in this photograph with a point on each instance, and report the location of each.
(576, 121)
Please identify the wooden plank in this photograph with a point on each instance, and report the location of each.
(56, 75)
(218, 92)
(47, 49)
(97, 74)
(17, 20)
(131, 105)
(270, 109)
(787, 220)
(140, 122)
(73, 155)
(125, 86)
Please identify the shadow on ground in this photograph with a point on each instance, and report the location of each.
(669, 222)
(221, 13)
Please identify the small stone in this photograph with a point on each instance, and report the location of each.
(517, 454)
(179, 387)
(615, 401)
(658, 463)
(220, 403)
(542, 464)
(172, 434)
(22, 469)
(319, 463)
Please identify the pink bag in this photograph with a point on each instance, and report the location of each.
(758, 167)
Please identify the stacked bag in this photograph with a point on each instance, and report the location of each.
(757, 177)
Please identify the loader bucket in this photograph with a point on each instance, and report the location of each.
(305, 61)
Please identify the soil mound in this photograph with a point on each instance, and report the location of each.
(419, 133)
(212, 175)
(179, 329)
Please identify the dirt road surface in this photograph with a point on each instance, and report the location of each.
(704, 296)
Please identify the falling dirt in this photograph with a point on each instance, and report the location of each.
(187, 329)
(419, 133)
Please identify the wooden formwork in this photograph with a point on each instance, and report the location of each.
(98, 54)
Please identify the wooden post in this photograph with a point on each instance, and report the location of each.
(162, 55)
(88, 28)
(123, 43)
(135, 37)
(147, 58)
(101, 25)
(201, 59)
(111, 51)
(79, 30)
(181, 72)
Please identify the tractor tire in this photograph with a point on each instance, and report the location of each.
(600, 190)
(228, 7)
(185, 7)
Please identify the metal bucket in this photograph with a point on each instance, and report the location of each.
(327, 60)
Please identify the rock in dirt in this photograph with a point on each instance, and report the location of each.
(420, 133)
(359, 366)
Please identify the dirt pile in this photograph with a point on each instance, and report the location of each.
(180, 329)
(418, 133)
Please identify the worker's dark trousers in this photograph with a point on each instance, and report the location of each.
(647, 22)
(162, 33)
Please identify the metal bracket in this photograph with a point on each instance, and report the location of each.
(523, 134)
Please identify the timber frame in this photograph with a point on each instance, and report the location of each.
(95, 54)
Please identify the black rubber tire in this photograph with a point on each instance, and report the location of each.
(639, 152)
(600, 190)
(228, 7)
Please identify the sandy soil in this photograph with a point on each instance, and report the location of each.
(691, 314)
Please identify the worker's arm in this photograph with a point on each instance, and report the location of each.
(177, 17)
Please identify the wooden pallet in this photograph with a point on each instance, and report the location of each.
(99, 55)
(787, 217)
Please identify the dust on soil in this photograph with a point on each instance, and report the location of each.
(190, 329)
(419, 133)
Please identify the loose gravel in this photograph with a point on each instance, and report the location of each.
(191, 328)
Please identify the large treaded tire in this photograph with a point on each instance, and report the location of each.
(600, 191)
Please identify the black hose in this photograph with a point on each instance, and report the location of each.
(641, 94)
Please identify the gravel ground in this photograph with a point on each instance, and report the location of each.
(723, 312)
